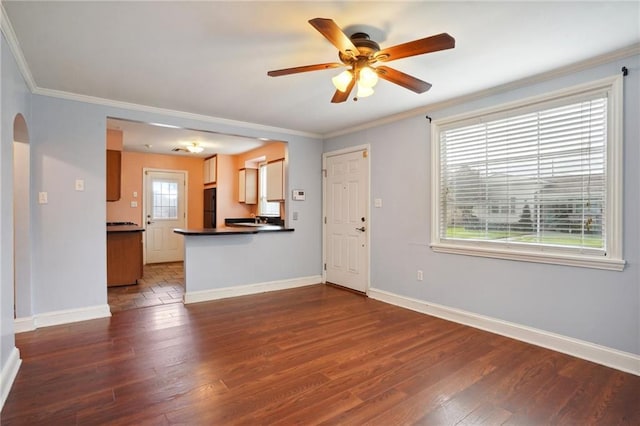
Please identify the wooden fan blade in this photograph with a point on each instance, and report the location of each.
(332, 32)
(417, 47)
(402, 79)
(339, 96)
(304, 68)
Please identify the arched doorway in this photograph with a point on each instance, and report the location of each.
(21, 219)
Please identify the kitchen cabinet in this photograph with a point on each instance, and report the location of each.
(275, 180)
(248, 186)
(124, 255)
(114, 170)
(210, 165)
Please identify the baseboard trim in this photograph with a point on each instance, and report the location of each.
(8, 374)
(66, 316)
(609, 357)
(244, 290)
(22, 325)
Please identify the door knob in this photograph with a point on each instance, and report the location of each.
(149, 222)
(360, 229)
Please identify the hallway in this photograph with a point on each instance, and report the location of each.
(161, 284)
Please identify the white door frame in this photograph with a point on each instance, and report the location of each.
(348, 150)
(144, 201)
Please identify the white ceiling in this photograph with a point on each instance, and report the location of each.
(158, 138)
(212, 58)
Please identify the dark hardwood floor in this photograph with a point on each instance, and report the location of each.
(313, 355)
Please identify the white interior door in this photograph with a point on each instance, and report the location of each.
(346, 229)
(164, 211)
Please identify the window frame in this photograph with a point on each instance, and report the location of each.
(612, 259)
(262, 193)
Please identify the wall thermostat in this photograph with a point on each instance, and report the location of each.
(298, 195)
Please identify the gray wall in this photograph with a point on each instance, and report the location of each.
(15, 98)
(588, 304)
(69, 257)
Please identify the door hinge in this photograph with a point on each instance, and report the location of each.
(324, 172)
(325, 220)
(325, 266)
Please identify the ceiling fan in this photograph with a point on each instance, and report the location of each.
(358, 53)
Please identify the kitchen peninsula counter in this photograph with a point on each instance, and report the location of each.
(230, 261)
(232, 230)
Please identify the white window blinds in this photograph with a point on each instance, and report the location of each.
(534, 177)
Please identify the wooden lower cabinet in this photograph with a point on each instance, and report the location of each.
(124, 258)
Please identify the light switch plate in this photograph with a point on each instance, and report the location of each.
(79, 184)
(134, 204)
(377, 202)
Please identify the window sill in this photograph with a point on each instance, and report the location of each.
(584, 261)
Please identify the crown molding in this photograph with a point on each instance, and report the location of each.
(615, 55)
(168, 112)
(12, 40)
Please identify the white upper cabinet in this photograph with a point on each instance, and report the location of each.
(275, 181)
(210, 170)
(248, 186)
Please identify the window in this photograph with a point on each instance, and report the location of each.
(538, 181)
(265, 208)
(165, 200)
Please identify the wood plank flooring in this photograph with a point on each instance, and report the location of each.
(313, 355)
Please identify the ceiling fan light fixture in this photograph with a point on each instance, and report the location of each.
(342, 80)
(195, 148)
(368, 77)
(364, 91)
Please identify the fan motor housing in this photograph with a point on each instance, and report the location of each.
(366, 48)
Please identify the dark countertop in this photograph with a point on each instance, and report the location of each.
(124, 228)
(233, 230)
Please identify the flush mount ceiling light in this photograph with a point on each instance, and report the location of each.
(358, 53)
(194, 148)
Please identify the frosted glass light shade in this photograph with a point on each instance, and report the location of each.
(368, 77)
(364, 91)
(195, 149)
(342, 80)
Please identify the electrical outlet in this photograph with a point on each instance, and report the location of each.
(79, 184)
(42, 198)
(377, 202)
(419, 275)
(134, 204)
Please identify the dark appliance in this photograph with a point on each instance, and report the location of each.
(210, 208)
